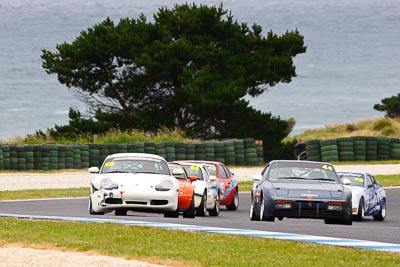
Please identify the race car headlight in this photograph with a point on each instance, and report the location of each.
(335, 206)
(108, 184)
(164, 185)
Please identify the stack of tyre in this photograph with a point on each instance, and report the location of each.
(200, 151)
(1, 159)
(210, 150)
(360, 148)
(329, 150)
(313, 150)
(371, 148)
(160, 150)
(240, 155)
(170, 151)
(346, 149)
(395, 148)
(6, 156)
(190, 151)
(384, 147)
(229, 152)
(250, 152)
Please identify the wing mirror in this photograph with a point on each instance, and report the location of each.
(177, 172)
(257, 177)
(93, 170)
(346, 181)
(213, 178)
(193, 178)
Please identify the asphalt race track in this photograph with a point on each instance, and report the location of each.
(387, 231)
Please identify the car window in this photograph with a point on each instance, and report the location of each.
(355, 179)
(369, 181)
(212, 169)
(301, 171)
(194, 170)
(135, 165)
(223, 173)
(177, 176)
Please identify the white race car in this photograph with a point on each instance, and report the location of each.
(205, 188)
(133, 181)
(368, 196)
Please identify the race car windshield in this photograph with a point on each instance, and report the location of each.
(212, 169)
(354, 178)
(194, 170)
(302, 171)
(130, 165)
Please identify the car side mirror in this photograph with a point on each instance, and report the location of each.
(213, 178)
(193, 178)
(93, 170)
(177, 172)
(346, 181)
(257, 178)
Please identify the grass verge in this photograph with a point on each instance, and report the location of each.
(181, 248)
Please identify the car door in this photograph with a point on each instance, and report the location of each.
(372, 195)
(224, 181)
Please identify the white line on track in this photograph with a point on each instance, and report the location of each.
(352, 243)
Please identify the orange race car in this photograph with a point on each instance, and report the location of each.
(186, 191)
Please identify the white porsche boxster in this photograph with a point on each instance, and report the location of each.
(368, 196)
(205, 188)
(133, 181)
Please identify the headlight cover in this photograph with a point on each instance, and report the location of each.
(108, 184)
(165, 185)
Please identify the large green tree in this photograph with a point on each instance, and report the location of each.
(189, 68)
(390, 105)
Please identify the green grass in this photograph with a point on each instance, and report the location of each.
(182, 248)
(385, 180)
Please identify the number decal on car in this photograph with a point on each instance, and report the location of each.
(327, 167)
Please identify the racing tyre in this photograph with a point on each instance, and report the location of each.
(171, 214)
(201, 209)
(215, 210)
(121, 212)
(360, 214)
(382, 212)
(191, 212)
(235, 202)
(253, 214)
(262, 211)
(91, 211)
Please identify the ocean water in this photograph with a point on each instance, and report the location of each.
(352, 59)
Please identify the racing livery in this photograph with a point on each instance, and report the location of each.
(133, 181)
(227, 183)
(205, 187)
(369, 198)
(300, 189)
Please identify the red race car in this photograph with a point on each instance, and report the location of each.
(228, 184)
(186, 191)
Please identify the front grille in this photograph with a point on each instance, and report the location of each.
(136, 202)
(113, 201)
(157, 202)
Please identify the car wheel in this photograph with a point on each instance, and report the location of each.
(91, 211)
(215, 211)
(360, 213)
(171, 214)
(191, 212)
(262, 212)
(382, 212)
(202, 209)
(121, 212)
(331, 221)
(253, 214)
(235, 202)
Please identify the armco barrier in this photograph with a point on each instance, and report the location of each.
(356, 148)
(81, 156)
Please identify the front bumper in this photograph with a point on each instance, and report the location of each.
(106, 201)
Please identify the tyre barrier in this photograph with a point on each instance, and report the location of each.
(81, 156)
(356, 148)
